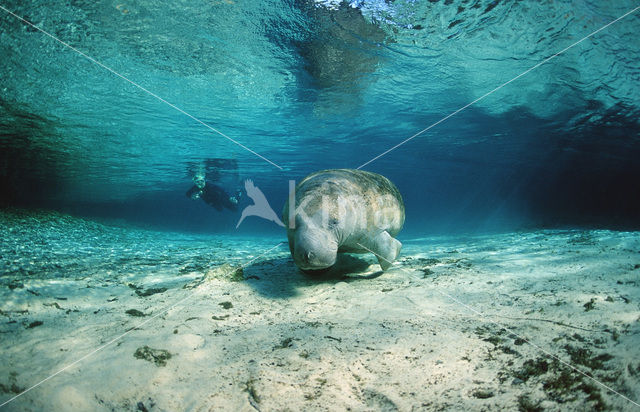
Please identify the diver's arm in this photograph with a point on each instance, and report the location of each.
(191, 191)
(217, 197)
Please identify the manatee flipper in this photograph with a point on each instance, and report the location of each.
(385, 247)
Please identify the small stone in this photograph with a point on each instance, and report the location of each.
(34, 324)
(483, 393)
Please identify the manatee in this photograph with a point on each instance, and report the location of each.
(343, 210)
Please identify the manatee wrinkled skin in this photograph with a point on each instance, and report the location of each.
(343, 210)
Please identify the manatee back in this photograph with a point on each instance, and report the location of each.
(376, 201)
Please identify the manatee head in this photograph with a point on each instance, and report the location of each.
(315, 248)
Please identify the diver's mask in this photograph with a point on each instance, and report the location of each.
(199, 181)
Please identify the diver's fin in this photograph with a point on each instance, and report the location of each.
(385, 247)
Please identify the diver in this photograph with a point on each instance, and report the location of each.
(212, 194)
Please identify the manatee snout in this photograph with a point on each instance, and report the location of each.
(314, 249)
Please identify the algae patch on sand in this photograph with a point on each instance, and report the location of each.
(135, 312)
(226, 272)
(157, 356)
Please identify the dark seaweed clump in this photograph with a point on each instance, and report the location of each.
(590, 305)
(527, 405)
(584, 356)
(135, 312)
(150, 291)
(157, 356)
(562, 384)
(532, 367)
(12, 385)
(562, 388)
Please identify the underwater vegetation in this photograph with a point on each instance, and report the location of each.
(157, 356)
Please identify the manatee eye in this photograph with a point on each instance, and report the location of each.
(333, 222)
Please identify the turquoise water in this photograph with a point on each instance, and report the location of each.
(510, 128)
(312, 86)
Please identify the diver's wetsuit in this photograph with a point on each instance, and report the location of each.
(214, 196)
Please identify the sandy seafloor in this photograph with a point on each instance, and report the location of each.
(459, 323)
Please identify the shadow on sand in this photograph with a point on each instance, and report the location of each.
(280, 278)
